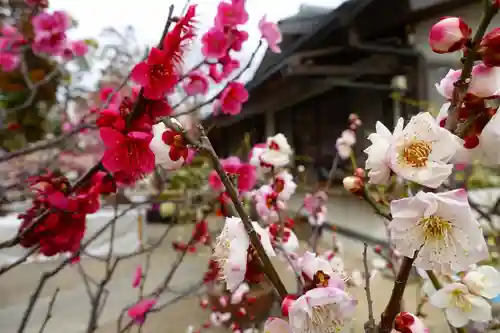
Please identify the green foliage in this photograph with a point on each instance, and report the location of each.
(483, 177)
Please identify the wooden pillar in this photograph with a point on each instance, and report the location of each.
(270, 124)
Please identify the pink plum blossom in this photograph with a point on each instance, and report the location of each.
(50, 32)
(139, 311)
(137, 277)
(215, 43)
(232, 98)
(197, 84)
(245, 175)
(128, 153)
(485, 81)
(230, 14)
(271, 33)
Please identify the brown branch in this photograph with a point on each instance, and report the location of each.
(462, 85)
(394, 305)
(206, 146)
(49, 311)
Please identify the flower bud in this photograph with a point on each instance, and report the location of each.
(449, 35)
(409, 323)
(489, 49)
(360, 172)
(287, 304)
(353, 184)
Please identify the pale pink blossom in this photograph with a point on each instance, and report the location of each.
(267, 203)
(441, 226)
(447, 84)
(310, 265)
(449, 35)
(271, 33)
(485, 81)
(240, 292)
(420, 152)
(277, 325)
(322, 310)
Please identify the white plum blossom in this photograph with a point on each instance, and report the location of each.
(460, 305)
(231, 250)
(267, 203)
(441, 227)
(344, 144)
(292, 242)
(162, 150)
(421, 151)
(239, 293)
(284, 185)
(322, 310)
(377, 161)
(484, 281)
(277, 153)
(218, 318)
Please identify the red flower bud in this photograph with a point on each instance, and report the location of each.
(489, 49)
(471, 141)
(287, 303)
(449, 35)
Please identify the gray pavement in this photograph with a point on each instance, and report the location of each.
(71, 309)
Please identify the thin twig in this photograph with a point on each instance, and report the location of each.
(370, 325)
(48, 315)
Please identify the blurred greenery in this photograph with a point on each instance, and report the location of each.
(482, 177)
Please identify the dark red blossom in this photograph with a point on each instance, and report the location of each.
(63, 225)
(175, 140)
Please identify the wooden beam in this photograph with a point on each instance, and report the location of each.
(374, 65)
(299, 57)
(337, 70)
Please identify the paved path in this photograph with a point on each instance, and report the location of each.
(71, 307)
